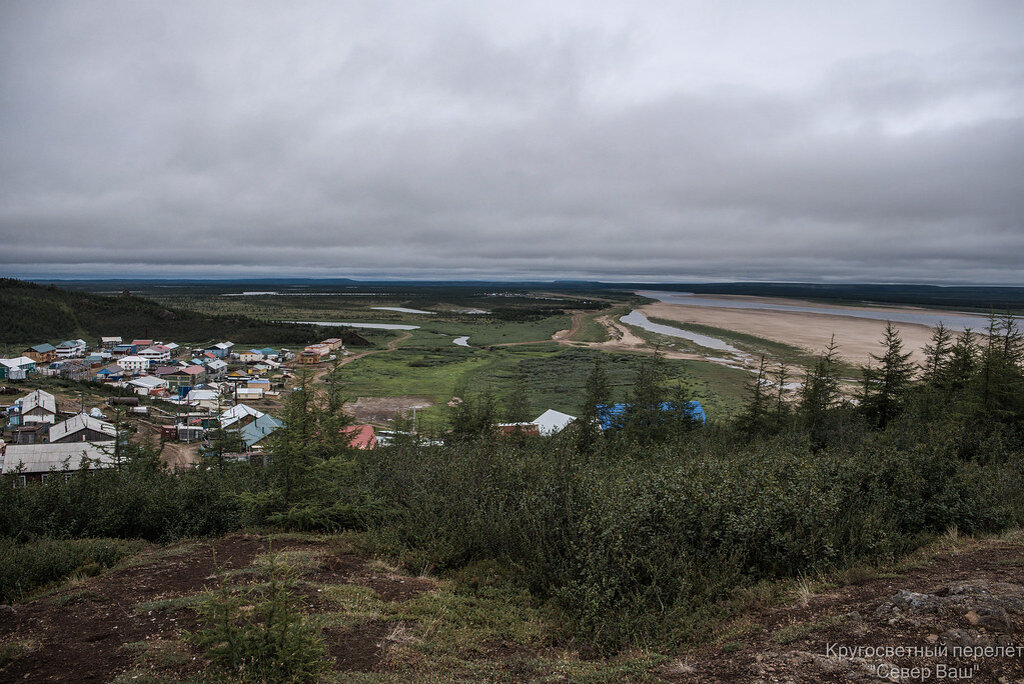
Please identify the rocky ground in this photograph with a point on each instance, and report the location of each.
(954, 616)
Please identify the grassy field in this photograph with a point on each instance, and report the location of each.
(552, 375)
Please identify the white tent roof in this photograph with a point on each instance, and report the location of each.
(551, 421)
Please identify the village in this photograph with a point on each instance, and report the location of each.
(175, 395)
(164, 392)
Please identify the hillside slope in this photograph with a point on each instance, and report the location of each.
(31, 314)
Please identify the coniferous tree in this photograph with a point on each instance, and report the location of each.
(517, 405)
(645, 418)
(962, 363)
(596, 393)
(885, 387)
(936, 355)
(754, 419)
(781, 378)
(820, 396)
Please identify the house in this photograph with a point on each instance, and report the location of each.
(314, 353)
(82, 428)
(335, 343)
(249, 393)
(221, 349)
(173, 347)
(133, 364)
(123, 350)
(208, 399)
(239, 416)
(552, 422)
(38, 407)
(110, 373)
(613, 416)
(109, 342)
(185, 377)
(17, 368)
(215, 368)
(530, 429)
(142, 344)
(37, 462)
(250, 356)
(156, 353)
(33, 433)
(70, 349)
(261, 383)
(360, 436)
(254, 434)
(148, 385)
(41, 353)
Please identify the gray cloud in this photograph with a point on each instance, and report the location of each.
(595, 140)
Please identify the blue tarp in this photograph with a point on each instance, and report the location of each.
(612, 416)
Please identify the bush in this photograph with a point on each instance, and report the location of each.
(261, 635)
(26, 568)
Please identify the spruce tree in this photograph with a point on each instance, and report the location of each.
(886, 386)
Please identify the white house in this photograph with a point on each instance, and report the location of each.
(21, 366)
(156, 353)
(147, 384)
(249, 393)
(71, 349)
(109, 342)
(133, 364)
(204, 398)
(38, 407)
(250, 356)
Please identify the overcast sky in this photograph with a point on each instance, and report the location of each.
(728, 140)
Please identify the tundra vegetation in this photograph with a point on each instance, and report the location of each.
(639, 536)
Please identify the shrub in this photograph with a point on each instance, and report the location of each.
(260, 635)
(28, 567)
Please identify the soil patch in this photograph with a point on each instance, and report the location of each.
(385, 409)
(361, 648)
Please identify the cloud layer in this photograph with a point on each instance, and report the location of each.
(621, 140)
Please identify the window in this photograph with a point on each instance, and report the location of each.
(19, 481)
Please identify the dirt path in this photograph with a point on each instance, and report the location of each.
(562, 336)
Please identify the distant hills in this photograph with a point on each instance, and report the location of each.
(32, 313)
